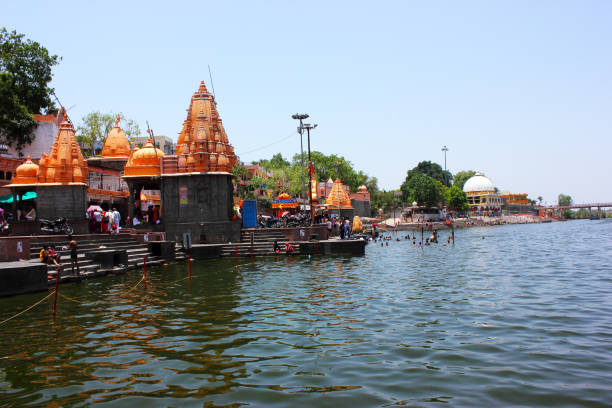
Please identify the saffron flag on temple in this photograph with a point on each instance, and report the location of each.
(312, 168)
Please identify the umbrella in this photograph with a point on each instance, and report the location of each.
(285, 213)
(94, 208)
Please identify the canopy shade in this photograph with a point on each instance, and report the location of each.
(9, 198)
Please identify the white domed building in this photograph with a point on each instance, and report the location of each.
(483, 198)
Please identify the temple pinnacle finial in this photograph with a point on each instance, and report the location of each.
(117, 120)
(202, 87)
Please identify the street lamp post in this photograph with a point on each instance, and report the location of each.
(308, 126)
(445, 149)
(301, 117)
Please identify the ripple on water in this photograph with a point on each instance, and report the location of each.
(519, 318)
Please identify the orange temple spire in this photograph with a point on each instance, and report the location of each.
(64, 164)
(202, 144)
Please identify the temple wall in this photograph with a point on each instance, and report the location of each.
(200, 205)
(56, 201)
(362, 208)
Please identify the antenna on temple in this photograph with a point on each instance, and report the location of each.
(152, 136)
(211, 82)
(63, 110)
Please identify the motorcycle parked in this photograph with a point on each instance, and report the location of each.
(56, 226)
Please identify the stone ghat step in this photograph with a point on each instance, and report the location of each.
(261, 233)
(85, 245)
(245, 250)
(90, 273)
(263, 253)
(93, 248)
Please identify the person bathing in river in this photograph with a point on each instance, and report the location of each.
(434, 236)
(276, 247)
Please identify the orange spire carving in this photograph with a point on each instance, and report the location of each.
(338, 198)
(65, 163)
(202, 144)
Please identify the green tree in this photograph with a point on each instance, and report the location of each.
(96, 126)
(427, 168)
(456, 199)
(461, 177)
(564, 199)
(540, 200)
(442, 191)
(422, 189)
(25, 72)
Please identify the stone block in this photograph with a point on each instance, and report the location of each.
(14, 248)
(22, 277)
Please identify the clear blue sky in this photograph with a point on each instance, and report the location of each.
(520, 90)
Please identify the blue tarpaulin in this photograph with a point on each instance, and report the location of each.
(9, 198)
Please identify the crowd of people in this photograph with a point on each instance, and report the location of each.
(434, 238)
(341, 228)
(151, 216)
(101, 221)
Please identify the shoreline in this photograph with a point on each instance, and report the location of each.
(466, 223)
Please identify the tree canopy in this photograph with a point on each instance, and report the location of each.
(564, 199)
(456, 198)
(461, 177)
(422, 189)
(425, 168)
(25, 72)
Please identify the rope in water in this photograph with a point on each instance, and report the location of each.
(31, 307)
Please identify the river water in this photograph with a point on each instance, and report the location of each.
(521, 317)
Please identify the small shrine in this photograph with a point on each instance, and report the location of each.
(142, 172)
(24, 181)
(338, 201)
(284, 203)
(62, 178)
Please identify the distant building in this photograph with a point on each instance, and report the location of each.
(44, 137)
(516, 203)
(164, 143)
(361, 201)
(483, 198)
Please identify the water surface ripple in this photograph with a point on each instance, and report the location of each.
(522, 317)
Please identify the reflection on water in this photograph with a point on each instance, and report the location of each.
(521, 317)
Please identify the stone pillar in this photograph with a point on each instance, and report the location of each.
(130, 201)
(14, 206)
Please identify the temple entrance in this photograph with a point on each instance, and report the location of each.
(144, 204)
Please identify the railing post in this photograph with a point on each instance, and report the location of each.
(58, 277)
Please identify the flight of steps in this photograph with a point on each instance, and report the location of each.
(263, 244)
(136, 252)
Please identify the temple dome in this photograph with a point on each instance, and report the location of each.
(478, 182)
(26, 173)
(145, 161)
(116, 144)
(362, 189)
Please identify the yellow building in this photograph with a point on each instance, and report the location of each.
(483, 198)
